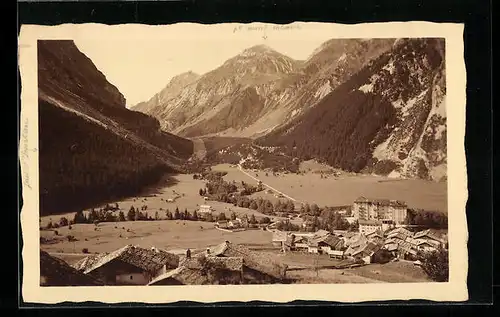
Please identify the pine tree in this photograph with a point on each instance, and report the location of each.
(131, 214)
(186, 214)
(157, 216)
(307, 209)
(210, 218)
(63, 222)
(314, 210)
(177, 214)
(252, 219)
(80, 217)
(195, 215)
(169, 215)
(121, 216)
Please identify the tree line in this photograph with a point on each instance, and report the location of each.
(426, 218)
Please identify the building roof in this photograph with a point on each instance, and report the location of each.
(407, 247)
(375, 233)
(321, 233)
(400, 230)
(391, 246)
(183, 276)
(367, 249)
(428, 233)
(334, 242)
(369, 222)
(225, 263)
(192, 271)
(262, 262)
(356, 239)
(59, 273)
(398, 235)
(145, 259)
(381, 202)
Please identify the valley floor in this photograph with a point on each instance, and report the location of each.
(343, 190)
(178, 235)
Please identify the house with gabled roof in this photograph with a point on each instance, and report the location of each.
(130, 265)
(366, 251)
(375, 236)
(401, 231)
(203, 270)
(56, 272)
(367, 226)
(279, 238)
(431, 236)
(258, 267)
(424, 245)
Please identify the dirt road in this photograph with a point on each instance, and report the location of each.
(268, 186)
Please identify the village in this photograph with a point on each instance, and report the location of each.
(377, 234)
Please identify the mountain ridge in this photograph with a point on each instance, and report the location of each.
(91, 147)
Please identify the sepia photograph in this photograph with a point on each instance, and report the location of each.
(243, 154)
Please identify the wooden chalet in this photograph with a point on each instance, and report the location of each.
(130, 265)
(258, 268)
(56, 272)
(204, 270)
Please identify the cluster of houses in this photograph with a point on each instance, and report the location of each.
(225, 263)
(399, 242)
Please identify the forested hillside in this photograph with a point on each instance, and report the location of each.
(91, 147)
(382, 119)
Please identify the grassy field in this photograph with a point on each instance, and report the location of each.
(172, 235)
(343, 190)
(155, 198)
(392, 272)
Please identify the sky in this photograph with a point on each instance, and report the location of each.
(141, 60)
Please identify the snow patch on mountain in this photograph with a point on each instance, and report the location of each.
(390, 67)
(323, 90)
(366, 88)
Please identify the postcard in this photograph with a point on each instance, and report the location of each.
(241, 162)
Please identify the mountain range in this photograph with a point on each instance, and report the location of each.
(91, 148)
(364, 105)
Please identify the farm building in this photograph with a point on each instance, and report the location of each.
(336, 254)
(380, 209)
(300, 242)
(431, 236)
(258, 268)
(130, 265)
(364, 251)
(205, 209)
(406, 250)
(56, 272)
(279, 238)
(325, 243)
(375, 236)
(368, 226)
(423, 244)
(204, 270)
(236, 223)
(399, 230)
(223, 224)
